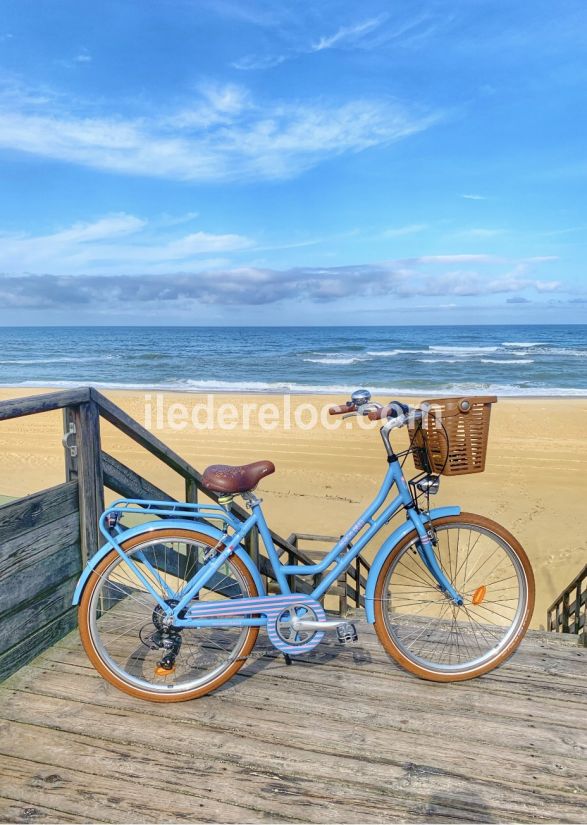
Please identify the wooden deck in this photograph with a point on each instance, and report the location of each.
(342, 736)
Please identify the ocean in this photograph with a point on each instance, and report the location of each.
(506, 360)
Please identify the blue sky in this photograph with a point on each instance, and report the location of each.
(285, 162)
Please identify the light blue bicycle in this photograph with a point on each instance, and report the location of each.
(171, 609)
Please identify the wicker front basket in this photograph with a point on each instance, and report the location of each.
(452, 439)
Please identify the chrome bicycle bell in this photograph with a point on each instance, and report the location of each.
(360, 397)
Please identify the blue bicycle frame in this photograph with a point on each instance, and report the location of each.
(341, 555)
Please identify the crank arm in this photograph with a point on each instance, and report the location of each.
(309, 624)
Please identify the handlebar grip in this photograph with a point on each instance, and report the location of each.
(377, 415)
(340, 409)
(394, 409)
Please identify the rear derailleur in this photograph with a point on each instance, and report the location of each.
(165, 638)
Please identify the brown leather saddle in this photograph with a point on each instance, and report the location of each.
(222, 478)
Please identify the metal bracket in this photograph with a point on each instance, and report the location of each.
(71, 447)
(212, 552)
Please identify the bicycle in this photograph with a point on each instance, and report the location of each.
(171, 609)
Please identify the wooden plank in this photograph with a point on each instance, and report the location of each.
(124, 481)
(19, 655)
(116, 797)
(30, 547)
(385, 758)
(25, 618)
(37, 509)
(12, 810)
(46, 572)
(90, 478)
(29, 405)
(313, 685)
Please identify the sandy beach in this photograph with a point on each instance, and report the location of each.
(535, 481)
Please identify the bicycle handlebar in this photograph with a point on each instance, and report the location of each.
(340, 409)
(395, 409)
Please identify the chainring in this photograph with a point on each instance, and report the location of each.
(288, 640)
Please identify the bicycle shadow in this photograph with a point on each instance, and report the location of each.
(264, 655)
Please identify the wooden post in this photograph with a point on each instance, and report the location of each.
(565, 628)
(191, 490)
(343, 608)
(90, 479)
(70, 443)
(252, 545)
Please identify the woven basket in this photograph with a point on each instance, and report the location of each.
(452, 439)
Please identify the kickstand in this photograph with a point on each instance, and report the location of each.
(287, 658)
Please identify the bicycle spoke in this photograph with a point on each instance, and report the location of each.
(131, 639)
(435, 632)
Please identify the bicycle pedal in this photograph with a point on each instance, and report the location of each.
(346, 633)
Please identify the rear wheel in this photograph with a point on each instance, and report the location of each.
(121, 623)
(425, 631)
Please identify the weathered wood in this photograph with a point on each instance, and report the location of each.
(16, 657)
(349, 583)
(568, 612)
(252, 545)
(343, 736)
(115, 797)
(191, 490)
(17, 623)
(11, 810)
(40, 560)
(46, 567)
(90, 477)
(69, 444)
(124, 481)
(17, 407)
(35, 510)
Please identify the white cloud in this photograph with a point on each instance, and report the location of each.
(224, 135)
(474, 197)
(149, 271)
(347, 33)
(83, 56)
(346, 36)
(369, 34)
(115, 243)
(253, 62)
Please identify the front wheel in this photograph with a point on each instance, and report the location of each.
(425, 631)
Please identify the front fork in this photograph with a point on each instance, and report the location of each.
(425, 546)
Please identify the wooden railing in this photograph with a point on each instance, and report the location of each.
(568, 612)
(94, 469)
(56, 530)
(350, 586)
